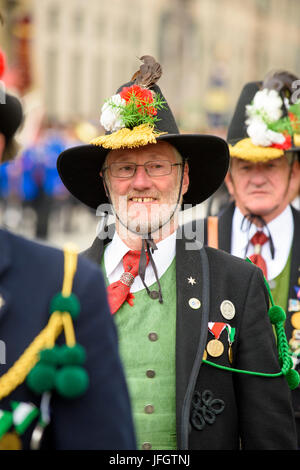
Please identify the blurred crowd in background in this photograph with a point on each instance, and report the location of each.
(33, 200)
(63, 59)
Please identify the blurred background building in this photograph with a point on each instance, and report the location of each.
(64, 58)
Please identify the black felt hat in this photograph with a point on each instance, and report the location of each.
(207, 156)
(242, 143)
(11, 116)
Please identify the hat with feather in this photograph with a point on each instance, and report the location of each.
(266, 120)
(138, 115)
(11, 116)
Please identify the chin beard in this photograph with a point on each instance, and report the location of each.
(162, 217)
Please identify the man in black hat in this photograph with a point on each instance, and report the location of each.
(262, 180)
(56, 396)
(195, 337)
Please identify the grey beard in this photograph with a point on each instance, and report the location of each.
(161, 218)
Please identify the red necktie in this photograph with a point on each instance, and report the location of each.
(258, 240)
(118, 292)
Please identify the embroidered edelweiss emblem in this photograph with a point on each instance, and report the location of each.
(191, 280)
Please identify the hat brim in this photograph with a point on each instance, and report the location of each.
(208, 158)
(245, 150)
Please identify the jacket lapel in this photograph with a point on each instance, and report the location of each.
(295, 262)
(192, 286)
(95, 251)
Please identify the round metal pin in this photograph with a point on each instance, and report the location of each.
(227, 309)
(194, 303)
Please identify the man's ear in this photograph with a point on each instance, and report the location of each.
(186, 179)
(294, 183)
(229, 183)
(2, 145)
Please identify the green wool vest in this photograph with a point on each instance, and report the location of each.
(147, 334)
(280, 292)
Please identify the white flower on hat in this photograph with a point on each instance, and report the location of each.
(267, 104)
(111, 118)
(262, 136)
(265, 109)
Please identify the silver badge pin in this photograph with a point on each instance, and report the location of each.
(227, 309)
(194, 303)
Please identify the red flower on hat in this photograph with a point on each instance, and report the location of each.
(285, 145)
(142, 98)
(2, 64)
(295, 122)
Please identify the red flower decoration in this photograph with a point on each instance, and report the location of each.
(142, 98)
(285, 145)
(2, 64)
(295, 122)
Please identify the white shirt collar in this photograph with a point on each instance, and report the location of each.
(281, 229)
(162, 257)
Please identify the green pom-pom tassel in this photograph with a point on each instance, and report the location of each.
(276, 314)
(71, 381)
(70, 304)
(293, 379)
(75, 355)
(41, 378)
(50, 356)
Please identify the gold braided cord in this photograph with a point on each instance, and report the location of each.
(58, 322)
(69, 329)
(246, 150)
(128, 138)
(70, 267)
(21, 368)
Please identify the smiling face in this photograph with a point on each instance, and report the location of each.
(260, 188)
(142, 202)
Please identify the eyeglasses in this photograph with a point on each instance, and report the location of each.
(153, 169)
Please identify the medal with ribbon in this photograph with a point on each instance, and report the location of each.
(215, 347)
(297, 289)
(14, 423)
(231, 335)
